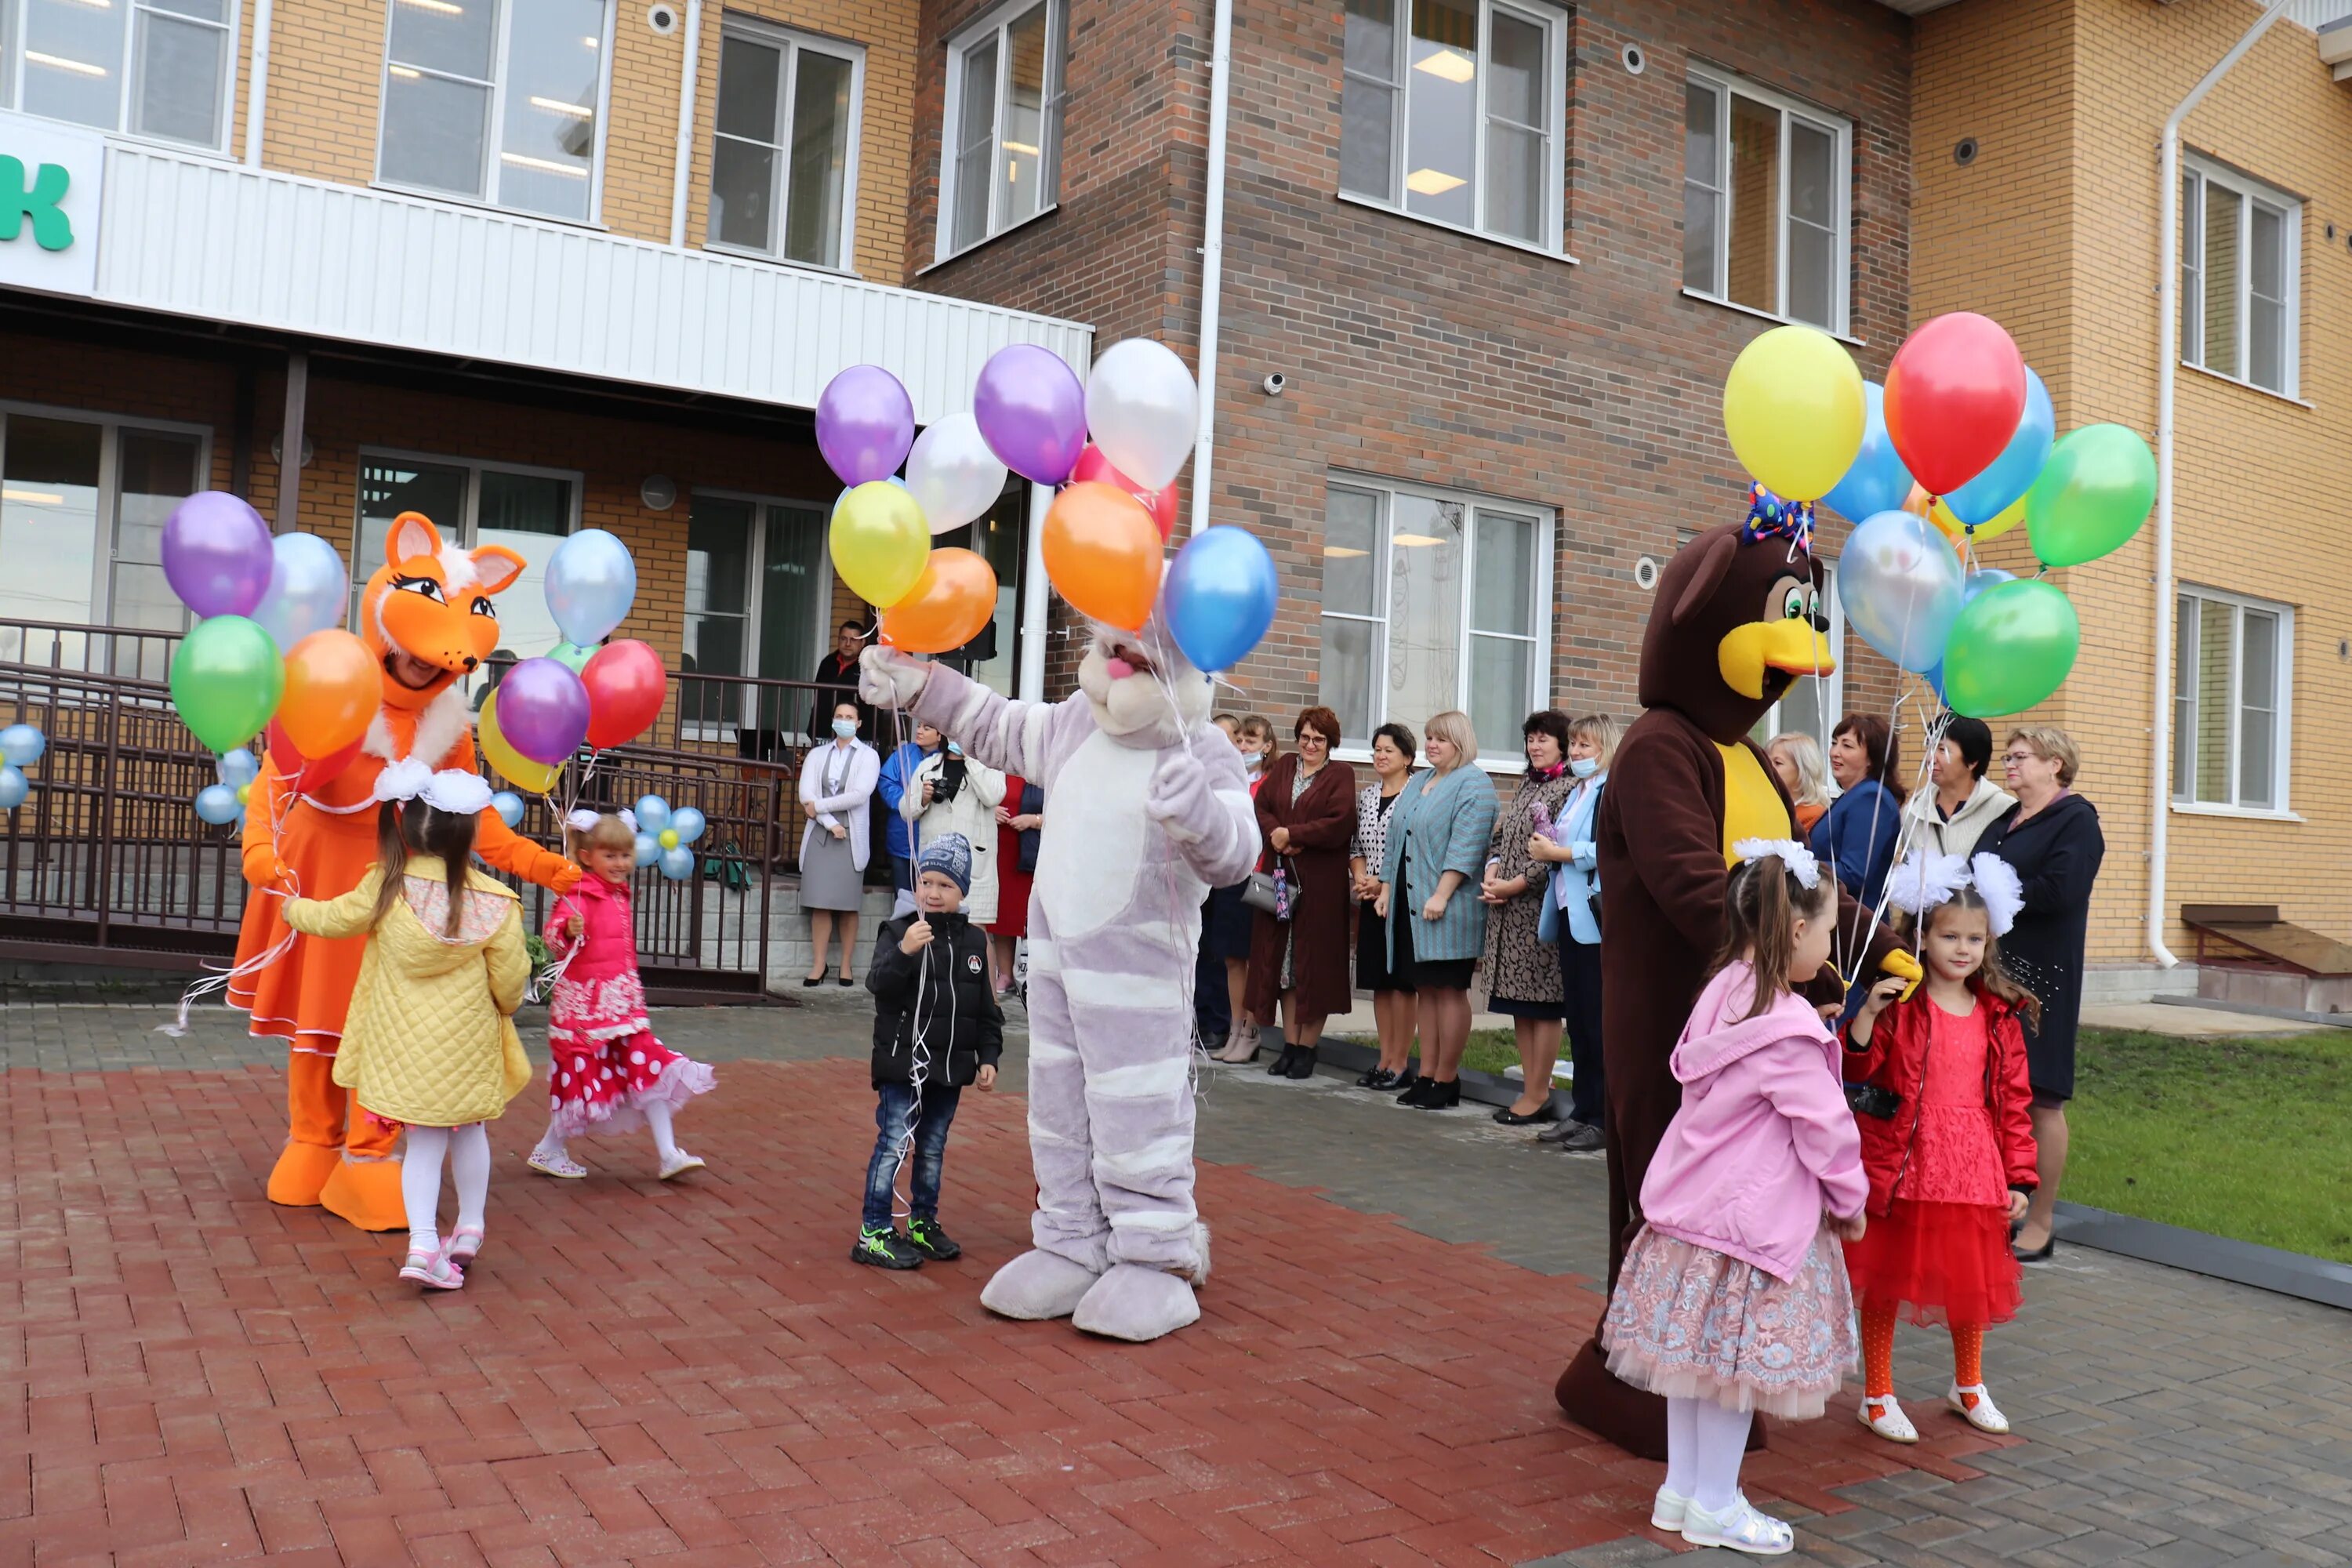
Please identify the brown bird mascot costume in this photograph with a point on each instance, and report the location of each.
(1738, 617)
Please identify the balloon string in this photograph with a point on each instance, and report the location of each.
(219, 981)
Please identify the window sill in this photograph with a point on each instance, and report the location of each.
(421, 193)
(2247, 385)
(743, 253)
(1724, 304)
(1369, 205)
(2245, 813)
(1038, 217)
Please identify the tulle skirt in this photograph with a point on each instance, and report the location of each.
(1687, 1322)
(1940, 1263)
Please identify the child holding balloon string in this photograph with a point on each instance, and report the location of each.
(608, 1072)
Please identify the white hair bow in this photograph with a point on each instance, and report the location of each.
(582, 820)
(1801, 861)
(404, 780)
(1923, 881)
(457, 792)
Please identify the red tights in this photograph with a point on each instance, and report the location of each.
(1878, 1352)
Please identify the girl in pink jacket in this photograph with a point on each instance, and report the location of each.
(607, 1072)
(1733, 1299)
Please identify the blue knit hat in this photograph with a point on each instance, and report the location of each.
(951, 855)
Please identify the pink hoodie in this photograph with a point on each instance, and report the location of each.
(1764, 1143)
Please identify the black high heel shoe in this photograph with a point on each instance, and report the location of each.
(1378, 1079)
(1280, 1066)
(1302, 1065)
(2041, 1254)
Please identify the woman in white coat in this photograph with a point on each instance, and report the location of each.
(952, 793)
(836, 781)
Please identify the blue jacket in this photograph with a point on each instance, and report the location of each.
(1445, 829)
(1858, 837)
(892, 788)
(1576, 884)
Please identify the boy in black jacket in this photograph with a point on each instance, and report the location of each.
(929, 980)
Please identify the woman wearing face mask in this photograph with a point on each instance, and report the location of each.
(1522, 973)
(948, 793)
(836, 781)
(1574, 858)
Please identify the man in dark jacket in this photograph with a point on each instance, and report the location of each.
(937, 1027)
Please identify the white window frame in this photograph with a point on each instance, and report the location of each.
(134, 74)
(755, 568)
(1539, 662)
(2198, 173)
(998, 23)
(793, 41)
(1726, 86)
(494, 137)
(110, 481)
(1552, 227)
(2184, 792)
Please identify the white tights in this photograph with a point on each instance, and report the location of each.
(1705, 1443)
(657, 1119)
(469, 1149)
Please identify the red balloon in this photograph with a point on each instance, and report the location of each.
(1093, 466)
(1954, 394)
(308, 775)
(626, 685)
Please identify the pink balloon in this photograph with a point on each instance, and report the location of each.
(1032, 412)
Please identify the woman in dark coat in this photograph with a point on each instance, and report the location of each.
(2051, 839)
(1306, 813)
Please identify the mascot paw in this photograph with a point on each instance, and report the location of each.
(1132, 1302)
(366, 1194)
(889, 678)
(1178, 795)
(1036, 1286)
(301, 1171)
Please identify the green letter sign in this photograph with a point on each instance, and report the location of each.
(36, 199)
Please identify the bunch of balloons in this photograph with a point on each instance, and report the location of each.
(663, 836)
(576, 693)
(222, 803)
(21, 746)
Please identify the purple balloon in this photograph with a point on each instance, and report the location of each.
(216, 555)
(1032, 412)
(864, 423)
(543, 710)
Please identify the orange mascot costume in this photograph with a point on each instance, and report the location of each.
(426, 616)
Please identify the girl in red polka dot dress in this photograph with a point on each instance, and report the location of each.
(609, 1074)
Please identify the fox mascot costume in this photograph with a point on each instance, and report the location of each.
(426, 616)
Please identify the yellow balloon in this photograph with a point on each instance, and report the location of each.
(669, 838)
(532, 778)
(1793, 408)
(244, 793)
(2008, 516)
(880, 543)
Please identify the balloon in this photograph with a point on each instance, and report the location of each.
(307, 776)
(244, 793)
(1144, 410)
(1878, 482)
(2092, 497)
(2008, 476)
(592, 581)
(626, 686)
(1032, 412)
(952, 475)
(21, 745)
(1221, 596)
(1919, 502)
(216, 555)
(1984, 577)
(1900, 585)
(950, 601)
(217, 803)
(1795, 410)
(1954, 396)
(864, 423)
(226, 680)
(668, 837)
(544, 715)
(15, 786)
(1955, 531)
(333, 688)
(308, 589)
(530, 776)
(1093, 465)
(1102, 553)
(235, 767)
(880, 543)
(509, 806)
(571, 656)
(652, 814)
(677, 863)
(648, 850)
(688, 823)
(2012, 646)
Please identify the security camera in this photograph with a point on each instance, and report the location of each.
(1274, 385)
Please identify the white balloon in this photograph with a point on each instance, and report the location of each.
(1143, 411)
(952, 474)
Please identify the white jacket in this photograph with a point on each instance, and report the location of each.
(1959, 833)
(972, 813)
(847, 807)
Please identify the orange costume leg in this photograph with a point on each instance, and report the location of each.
(365, 1187)
(314, 1122)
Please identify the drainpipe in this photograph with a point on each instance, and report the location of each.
(1035, 638)
(2167, 374)
(258, 84)
(1212, 261)
(686, 85)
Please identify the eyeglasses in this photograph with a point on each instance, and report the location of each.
(2014, 757)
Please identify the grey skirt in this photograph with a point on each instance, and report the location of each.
(829, 875)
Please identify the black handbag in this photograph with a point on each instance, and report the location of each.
(1271, 893)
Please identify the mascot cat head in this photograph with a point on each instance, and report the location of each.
(1735, 621)
(1144, 691)
(426, 614)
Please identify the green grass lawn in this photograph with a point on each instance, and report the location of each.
(2244, 1137)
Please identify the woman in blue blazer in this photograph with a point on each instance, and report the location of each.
(1576, 895)
(1437, 841)
(1859, 834)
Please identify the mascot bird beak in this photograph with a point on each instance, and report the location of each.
(1792, 646)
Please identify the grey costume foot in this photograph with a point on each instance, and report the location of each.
(1036, 1286)
(1136, 1303)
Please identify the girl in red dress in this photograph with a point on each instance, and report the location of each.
(1947, 1137)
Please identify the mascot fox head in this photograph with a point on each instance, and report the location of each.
(427, 612)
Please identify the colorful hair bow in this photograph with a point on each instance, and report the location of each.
(1770, 517)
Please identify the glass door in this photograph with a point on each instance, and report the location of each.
(794, 611)
(1001, 538)
(718, 625)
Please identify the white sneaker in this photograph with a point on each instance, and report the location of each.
(672, 1170)
(1883, 1416)
(1739, 1528)
(1974, 1405)
(1668, 1511)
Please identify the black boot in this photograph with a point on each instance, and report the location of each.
(1280, 1066)
(1303, 1064)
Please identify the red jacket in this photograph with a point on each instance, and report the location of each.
(1896, 1058)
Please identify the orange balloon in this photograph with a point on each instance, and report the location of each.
(950, 601)
(332, 691)
(1916, 502)
(1103, 553)
(1950, 526)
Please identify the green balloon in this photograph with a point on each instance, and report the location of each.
(2090, 496)
(573, 655)
(2012, 646)
(227, 678)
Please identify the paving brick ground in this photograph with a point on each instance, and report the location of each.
(695, 1373)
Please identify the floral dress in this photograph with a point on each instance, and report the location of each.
(1522, 973)
(607, 1065)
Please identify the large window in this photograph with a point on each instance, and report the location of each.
(758, 600)
(2231, 666)
(149, 67)
(1765, 202)
(2239, 245)
(1000, 163)
(1452, 111)
(1433, 601)
(500, 100)
(784, 167)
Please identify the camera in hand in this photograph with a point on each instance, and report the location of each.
(950, 780)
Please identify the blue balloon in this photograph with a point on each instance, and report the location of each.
(688, 823)
(592, 581)
(509, 806)
(1900, 583)
(1220, 596)
(2012, 473)
(15, 787)
(216, 803)
(648, 849)
(677, 863)
(308, 589)
(1980, 579)
(21, 745)
(237, 768)
(653, 814)
(1878, 482)
(1935, 680)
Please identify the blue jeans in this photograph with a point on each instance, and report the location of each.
(894, 1103)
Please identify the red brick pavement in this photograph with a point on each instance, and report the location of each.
(697, 1373)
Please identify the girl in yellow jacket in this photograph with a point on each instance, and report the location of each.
(430, 1042)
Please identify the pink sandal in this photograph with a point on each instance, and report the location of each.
(464, 1245)
(435, 1271)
